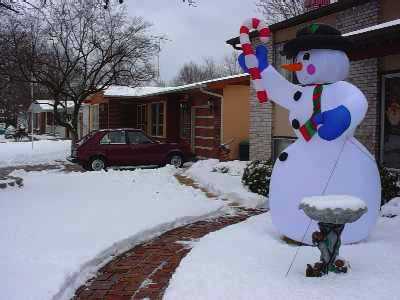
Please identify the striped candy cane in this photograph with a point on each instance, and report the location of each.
(251, 60)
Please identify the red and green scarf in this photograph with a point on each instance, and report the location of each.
(309, 128)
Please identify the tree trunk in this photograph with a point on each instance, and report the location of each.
(74, 129)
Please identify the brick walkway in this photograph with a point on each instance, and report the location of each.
(145, 270)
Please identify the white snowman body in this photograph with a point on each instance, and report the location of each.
(341, 166)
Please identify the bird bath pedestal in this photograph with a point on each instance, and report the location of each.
(332, 214)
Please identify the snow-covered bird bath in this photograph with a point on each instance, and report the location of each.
(324, 111)
(332, 214)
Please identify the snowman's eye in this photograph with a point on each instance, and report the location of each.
(306, 56)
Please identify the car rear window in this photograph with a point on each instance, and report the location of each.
(114, 137)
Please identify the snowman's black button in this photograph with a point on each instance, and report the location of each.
(283, 156)
(297, 96)
(295, 124)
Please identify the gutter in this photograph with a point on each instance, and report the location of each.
(204, 91)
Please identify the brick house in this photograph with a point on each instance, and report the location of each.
(41, 116)
(374, 27)
(203, 114)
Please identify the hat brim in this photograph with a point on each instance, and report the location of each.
(303, 43)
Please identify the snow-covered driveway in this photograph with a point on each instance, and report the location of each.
(249, 261)
(59, 225)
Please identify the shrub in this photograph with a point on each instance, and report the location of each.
(390, 184)
(257, 176)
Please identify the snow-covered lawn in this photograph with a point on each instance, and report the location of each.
(208, 173)
(43, 152)
(249, 261)
(59, 228)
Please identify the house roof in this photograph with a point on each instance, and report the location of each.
(303, 18)
(126, 91)
(378, 27)
(45, 106)
(138, 92)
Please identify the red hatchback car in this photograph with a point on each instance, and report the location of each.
(126, 147)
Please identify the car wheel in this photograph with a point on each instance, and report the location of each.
(176, 160)
(97, 164)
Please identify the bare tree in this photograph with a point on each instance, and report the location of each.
(74, 49)
(230, 64)
(192, 72)
(14, 98)
(208, 69)
(189, 73)
(278, 10)
(15, 5)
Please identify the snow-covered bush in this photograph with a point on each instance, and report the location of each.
(390, 184)
(257, 176)
(391, 208)
(233, 168)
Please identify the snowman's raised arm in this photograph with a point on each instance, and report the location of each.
(279, 89)
(267, 81)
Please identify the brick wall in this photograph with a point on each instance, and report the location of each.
(364, 73)
(260, 129)
(358, 17)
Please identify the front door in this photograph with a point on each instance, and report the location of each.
(390, 139)
(203, 131)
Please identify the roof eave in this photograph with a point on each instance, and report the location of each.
(308, 16)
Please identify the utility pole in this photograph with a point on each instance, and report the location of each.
(32, 110)
(32, 28)
(159, 39)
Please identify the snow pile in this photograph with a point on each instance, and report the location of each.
(249, 261)
(333, 202)
(233, 168)
(227, 185)
(392, 208)
(60, 228)
(43, 152)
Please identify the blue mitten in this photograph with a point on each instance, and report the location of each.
(333, 122)
(262, 57)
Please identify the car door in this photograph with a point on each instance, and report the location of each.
(116, 148)
(143, 150)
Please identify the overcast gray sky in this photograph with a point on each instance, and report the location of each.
(195, 32)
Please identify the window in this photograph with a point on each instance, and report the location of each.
(36, 120)
(95, 116)
(391, 121)
(157, 119)
(49, 118)
(141, 117)
(114, 137)
(137, 137)
(280, 59)
(279, 144)
(185, 120)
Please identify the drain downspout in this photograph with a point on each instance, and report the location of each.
(204, 91)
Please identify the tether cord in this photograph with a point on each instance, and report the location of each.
(323, 192)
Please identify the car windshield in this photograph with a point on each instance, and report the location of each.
(137, 137)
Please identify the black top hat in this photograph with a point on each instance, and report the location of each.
(317, 36)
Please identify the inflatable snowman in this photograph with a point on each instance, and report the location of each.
(326, 159)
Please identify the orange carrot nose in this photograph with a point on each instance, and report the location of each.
(293, 67)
